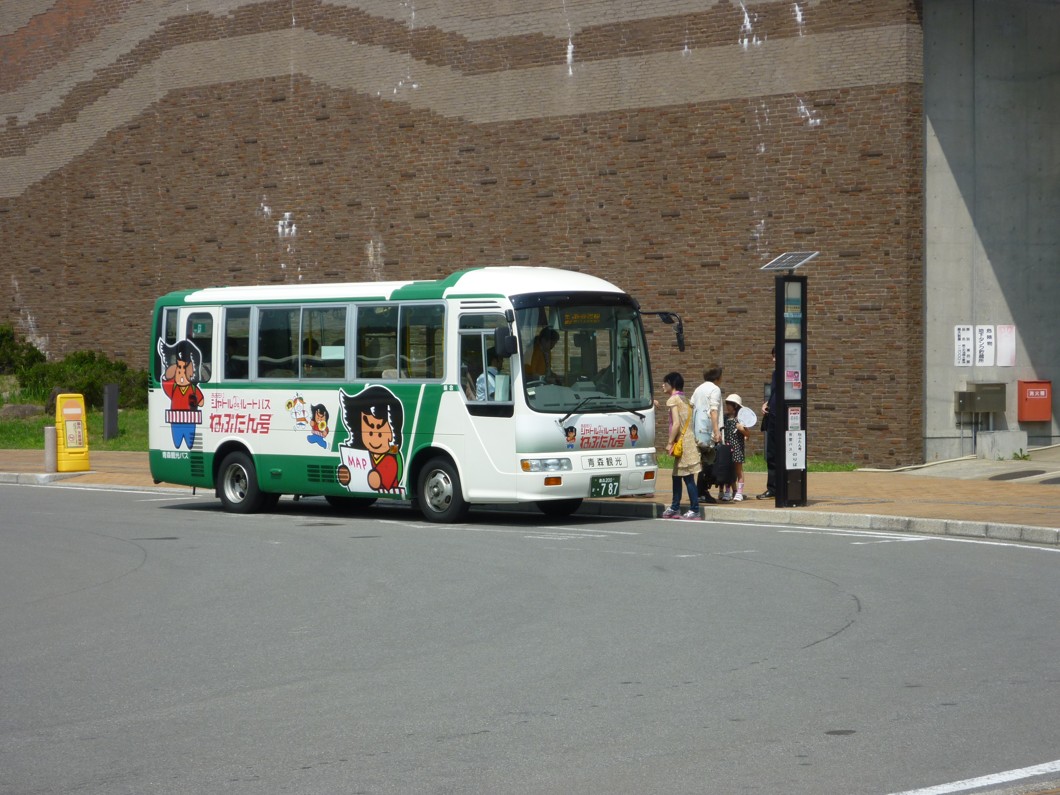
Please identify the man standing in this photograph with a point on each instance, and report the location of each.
(706, 402)
(769, 416)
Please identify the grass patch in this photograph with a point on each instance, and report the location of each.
(757, 463)
(28, 434)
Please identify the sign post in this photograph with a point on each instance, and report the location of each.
(790, 424)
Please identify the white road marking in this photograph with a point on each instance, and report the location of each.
(885, 537)
(986, 781)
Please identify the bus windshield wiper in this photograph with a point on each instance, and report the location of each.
(609, 408)
(581, 404)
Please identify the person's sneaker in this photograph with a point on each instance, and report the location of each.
(738, 497)
(726, 497)
(670, 513)
(691, 515)
(766, 495)
(705, 497)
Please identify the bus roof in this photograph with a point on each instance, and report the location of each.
(474, 282)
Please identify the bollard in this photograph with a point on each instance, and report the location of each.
(51, 455)
(110, 411)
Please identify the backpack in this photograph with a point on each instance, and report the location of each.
(703, 430)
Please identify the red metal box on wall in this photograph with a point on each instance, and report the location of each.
(1035, 401)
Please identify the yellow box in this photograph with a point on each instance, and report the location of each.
(71, 433)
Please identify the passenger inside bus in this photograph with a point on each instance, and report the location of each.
(539, 367)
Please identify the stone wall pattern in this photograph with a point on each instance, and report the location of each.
(673, 148)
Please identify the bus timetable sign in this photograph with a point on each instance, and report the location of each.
(788, 433)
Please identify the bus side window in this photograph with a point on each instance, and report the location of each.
(237, 343)
(278, 343)
(422, 341)
(323, 349)
(199, 330)
(487, 377)
(376, 340)
(170, 324)
(471, 364)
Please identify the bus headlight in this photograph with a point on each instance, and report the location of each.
(644, 460)
(545, 465)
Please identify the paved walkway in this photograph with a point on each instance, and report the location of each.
(1012, 500)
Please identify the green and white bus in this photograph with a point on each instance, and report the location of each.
(494, 385)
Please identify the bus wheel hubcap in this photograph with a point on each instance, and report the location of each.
(439, 491)
(236, 484)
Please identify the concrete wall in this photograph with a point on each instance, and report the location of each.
(992, 227)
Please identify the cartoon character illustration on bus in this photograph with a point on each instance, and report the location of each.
(319, 425)
(299, 411)
(371, 457)
(571, 434)
(181, 365)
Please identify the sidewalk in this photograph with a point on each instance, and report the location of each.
(1010, 500)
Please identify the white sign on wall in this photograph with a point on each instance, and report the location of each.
(985, 346)
(1006, 346)
(963, 346)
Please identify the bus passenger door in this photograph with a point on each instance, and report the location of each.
(486, 390)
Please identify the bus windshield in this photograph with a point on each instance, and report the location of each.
(582, 353)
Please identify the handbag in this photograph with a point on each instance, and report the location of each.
(679, 445)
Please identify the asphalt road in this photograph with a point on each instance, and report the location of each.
(152, 644)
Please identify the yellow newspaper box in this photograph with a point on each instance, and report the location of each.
(71, 432)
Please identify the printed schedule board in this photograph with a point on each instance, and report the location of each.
(795, 449)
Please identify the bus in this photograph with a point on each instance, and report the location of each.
(492, 385)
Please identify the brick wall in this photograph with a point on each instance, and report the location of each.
(674, 154)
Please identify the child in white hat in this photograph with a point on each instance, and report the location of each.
(735, 434)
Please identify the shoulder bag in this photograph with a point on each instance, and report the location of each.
(679, 445)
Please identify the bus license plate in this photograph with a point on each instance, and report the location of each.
(605, 485)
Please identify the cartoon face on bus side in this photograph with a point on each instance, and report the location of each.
(373, 418)
(181, 364)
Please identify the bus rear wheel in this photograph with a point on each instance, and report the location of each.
(438, 492)
(237, 484)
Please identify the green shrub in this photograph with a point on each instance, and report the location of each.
(16, 354)
(86, 373)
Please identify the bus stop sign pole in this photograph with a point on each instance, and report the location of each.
(789, 427)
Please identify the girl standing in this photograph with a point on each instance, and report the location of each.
(735, 435)
(686, 465)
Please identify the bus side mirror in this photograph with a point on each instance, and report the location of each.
(504, 341)
(673, 319)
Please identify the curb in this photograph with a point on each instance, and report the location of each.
(28, 479)
(846, 521)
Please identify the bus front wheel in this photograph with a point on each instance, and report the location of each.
(438, 492)
(238, 484)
